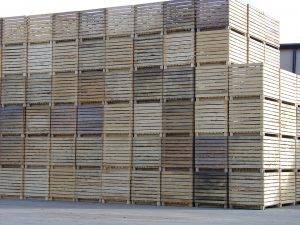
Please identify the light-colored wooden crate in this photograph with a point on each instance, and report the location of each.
(256, 51)
(65, 26)
(248, 189)
(288, 119)
(179, 14)
(211, 115)
(148, 117)
(90, 119)
(13, 89)
(287, 187)
(11, 119)
(40, 57)
(120, 20)
(38, 119)
(211, 81)
(62, 183)
(272, 56)
(297, 153)
(272, 31)
(118, 117)
(254, 115)
(178, 82)
(221, 46)
(65, 55)
(117, 150)
(14, 30)
(38, 88)
(146, 151)
(210, 187)
(148, 50)
(63, 119)
(11, 150)
(211, 151)
(88, 184)
(145, 186)
(254, 151)
(179, 48)
(14, 59)
(118, 84)
(149, 17)
(298, 186)
(287, 153)
(11, 182)
(36, 182)
(148, 83)
(89, 151)
(92, 54)
(64, 87)
(92, 23)
(256, 23)
(254, 80)
(177, 151)
(62, 151)
(288, 86)
(37, 150)
(91, 86)
(298, 91)
(39, 28)
(119, 52)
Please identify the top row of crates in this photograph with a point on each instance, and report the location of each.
(140, 19)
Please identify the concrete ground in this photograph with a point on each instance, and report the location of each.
(69, 213)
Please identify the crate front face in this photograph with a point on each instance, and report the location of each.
(237, 47)
(298, 186)
(40, 58)
(11, 181)
(36, 182)
(92, 23)
(288, 88)
(39, 28)
(63, 119)
(257, 23)
(11, 119)
(88, 184)
(14, 59)
(64, 87)
(272, 31)
(38, 88)
(89, 151)
(65, 26)
(38, 119)
(287, 187)
(14, 30)
(287, 153)
(90, 118)
(62, 151)
(288, 119)
(256, 51)
(62, 183)
(37, 150)
(13, 89)
(11, 150)
(65, 56)
(238, 15)
(272, 56)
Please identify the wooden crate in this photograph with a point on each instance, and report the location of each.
(40, 57)
(256, 23)
(36, 182)
(91, 86)
(39, 28)
(211, 115)
(288, 119)
(253, 114)
(117, 150)
(38, 119)
(65, 26)
(253, 190)
(11, 182)
(148, 17)
(272, 56)
(256, 51)
(90, 119)
(178, 83)
(14, 30)
(118, 117)
(254, 80)
(297, 153)
(145, 186)
(92, 54)
(288, 86)
(177, 187)
(11, 119)
(148, 50)
(211, 81)
(89, 151)
(37, 150)
(64, 87)
(210, 187)
(14, 59)
(179, 48)
(118, 84)
(88, 184)
(62, 151)
(287, 153)
(148, 83)
(63, 119)
(211, 151)
(120, 20)
(178, 116)
(13, 89)
(38, 88)
(119, 52)
(116, 185)
(221, 46)
(146, 151)
(298, 186)
(148, 117)
(287, 187)
(177, 151)
(272, 31)
(298, 90)
(11, 150)
(65, 55)
(62, 183)
(254, 151)
(179, 14)
(92, 23)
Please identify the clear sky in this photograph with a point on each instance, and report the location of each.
(287, 11)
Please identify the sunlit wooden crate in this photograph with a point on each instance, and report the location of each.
(62, 151)
(36, 182)
(65, 26)
(63, 119)
(40, 57)
(12, 119)
(92, 23)
(37, 150)
(14, 30)
(89, 151)
(11, 150)
(62, 183)
(39, 28)
(11, 182)
(38, 119)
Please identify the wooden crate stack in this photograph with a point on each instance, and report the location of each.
(298, 140)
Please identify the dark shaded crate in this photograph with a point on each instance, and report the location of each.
(65, 26)
(64, 87)
(63, 119)
(36, 182)
(37, 150)
(38, 119)
(38, 88)
(40, 57)
(11, 150)
(14, 30)
(62, 183)
(39, 28)
(13, 89)
(11, 182)
(62, 151)
(89, 151)
(14, 59)
(12, 119)
(65, 55)
(92, 23)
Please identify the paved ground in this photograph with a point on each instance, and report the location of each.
(65, 213)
